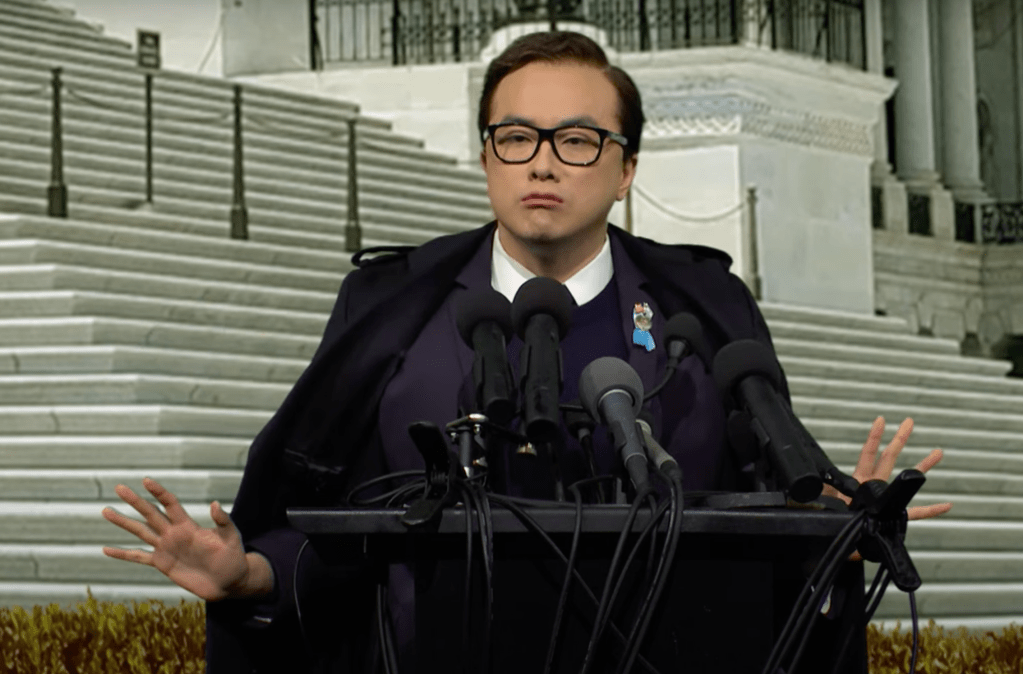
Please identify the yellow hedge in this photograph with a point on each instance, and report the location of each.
(151, 638)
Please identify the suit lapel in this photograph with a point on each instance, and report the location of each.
(632, 290)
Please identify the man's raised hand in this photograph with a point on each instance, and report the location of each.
(210, 563)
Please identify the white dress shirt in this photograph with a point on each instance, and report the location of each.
(507, 274)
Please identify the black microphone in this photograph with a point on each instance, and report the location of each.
(750, 372)
(484, 322)
(541, 314)
(683, 335)
(612, 392)
(659, 457)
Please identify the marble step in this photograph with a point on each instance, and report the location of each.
(113, 257)
(832, 430)
(205, 244)
(72, 360)
(954, 599)
(945, 533)
(122, 452)
(102, 420)
(884, 394)
(65, 277)
(886, 357)
(312, 230)
(894, 341)
(40, 21)
(913, 375)
(70, 595)
(43, 563)
(85, 330)
(78, 522)
(789, 313)
(938, 418)
(86, 484)
(279, 194)
(268, 231)
(295, 177)
(845, 455)
(84, 303)
(144, 389)
(967, 505)
(187, 123)
(32, 40)
(944, 566)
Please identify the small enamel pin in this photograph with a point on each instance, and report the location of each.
(642, 319)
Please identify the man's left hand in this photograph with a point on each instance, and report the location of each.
(870, 467)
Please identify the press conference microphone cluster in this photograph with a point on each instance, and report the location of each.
(748, 370)
(484, 323)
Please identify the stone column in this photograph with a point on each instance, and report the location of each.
(893, 193)
(961, 156)
(914, 118)
(914, 114)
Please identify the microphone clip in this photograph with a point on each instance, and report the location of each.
(885, 530)
(442, 472)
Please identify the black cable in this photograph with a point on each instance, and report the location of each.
(377, 480)
(661, 576)
(532, 525)
(669, 371)
(878, 577)
(652, 500)
(916, 633)
(404, 493)
(298, 608)
(577, 498)
(386, 646)
(872, 600)
(467, 587)
(803, 609)
(607, 598)
(487, 543)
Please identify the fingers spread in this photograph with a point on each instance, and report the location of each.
(137, 556)
(930, 460)
(175, 513)
(924, 512)
(131, 526)
(890, 455)
(865, 466)
(151, 513)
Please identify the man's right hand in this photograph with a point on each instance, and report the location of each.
(210, 563)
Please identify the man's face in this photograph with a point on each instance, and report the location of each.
(548, 95)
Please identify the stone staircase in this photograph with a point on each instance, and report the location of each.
(143, 341)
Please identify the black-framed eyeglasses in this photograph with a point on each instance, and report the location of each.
(516, 143)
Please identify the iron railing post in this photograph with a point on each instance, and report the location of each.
(753, 264)
(149, 138)
(396, 33)
(239, 213)
(353, 231)
(56, 193)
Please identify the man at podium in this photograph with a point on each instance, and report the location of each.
(561, 130)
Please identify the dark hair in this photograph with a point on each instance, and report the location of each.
(560, 46)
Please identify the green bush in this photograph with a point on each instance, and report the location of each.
(957, 652)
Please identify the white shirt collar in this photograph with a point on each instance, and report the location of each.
(507, 274)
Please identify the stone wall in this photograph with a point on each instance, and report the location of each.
(967, 292)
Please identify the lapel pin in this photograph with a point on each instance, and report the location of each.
(642, 319)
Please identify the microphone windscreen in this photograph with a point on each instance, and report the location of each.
(607, 374)
(542, 295)
(740, 359)
(687, 326)
(480, 306)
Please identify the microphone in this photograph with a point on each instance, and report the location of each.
(484, 323)
(750, 372)
(662, 460)
(541, 314)
(683, 335)
(612, 392)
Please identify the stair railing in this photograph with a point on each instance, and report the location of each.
(57, 189)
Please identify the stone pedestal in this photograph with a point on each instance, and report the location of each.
(725, 118)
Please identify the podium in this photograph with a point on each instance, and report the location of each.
(736, 577)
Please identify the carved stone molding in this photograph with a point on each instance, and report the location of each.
(686, 111)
